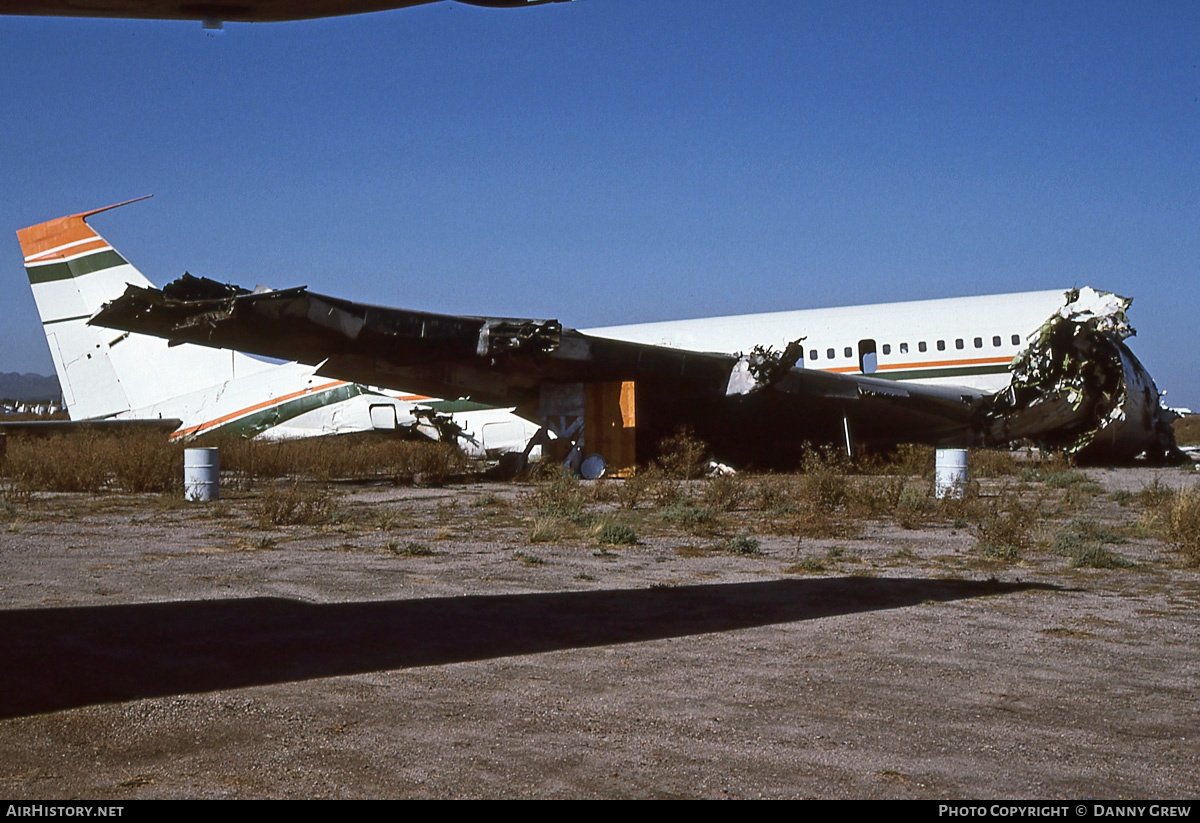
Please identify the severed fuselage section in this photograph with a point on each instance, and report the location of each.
(1075, 385)
(1078, 388)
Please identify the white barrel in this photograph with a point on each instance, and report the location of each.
(201, 474)
(950, 473)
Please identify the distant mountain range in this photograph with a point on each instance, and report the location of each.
(14, 386)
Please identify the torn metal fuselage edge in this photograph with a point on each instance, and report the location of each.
(1078, 388)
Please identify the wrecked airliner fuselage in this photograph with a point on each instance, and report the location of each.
(1074, 383)
(1078, 388)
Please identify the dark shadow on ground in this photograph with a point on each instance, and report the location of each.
(62, 658)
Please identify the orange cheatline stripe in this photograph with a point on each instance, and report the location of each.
(274, 402)
(930, 364)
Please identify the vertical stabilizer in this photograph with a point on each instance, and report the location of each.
(73, 272)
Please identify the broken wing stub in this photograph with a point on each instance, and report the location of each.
(763, 367)
(1078, 388)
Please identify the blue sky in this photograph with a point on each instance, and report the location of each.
(613, 161)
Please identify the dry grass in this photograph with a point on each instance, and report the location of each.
(1187, 430)
(1182, 518)
(348, 457)
(147, 462)
(295, 505)
(94, 462)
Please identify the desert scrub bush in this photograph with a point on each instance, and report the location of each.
(742, 545)
(913, 507)
(683, 456)
(90, 461)
(409, 549)
(632, 490)
(1003, 530)
(875, 496)
(725, 492)
(907, 459)
(1155, 495)
(650, 483)
(616, 534)
(1083, 542)
(811, 564)
(823, 477)
(771, 494)
(563, 497)
(1183, 524)
(992, 463)
(294, 506)
(690, 516)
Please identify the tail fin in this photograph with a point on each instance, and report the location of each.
(73, 272)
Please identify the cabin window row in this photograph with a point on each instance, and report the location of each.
(922, 346)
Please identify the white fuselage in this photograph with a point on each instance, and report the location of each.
(962, 341)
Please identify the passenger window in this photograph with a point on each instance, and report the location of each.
(921, 346)
(887, 348)
(849, 352)
(829, 354)
(979, 342)
(958, 343)
(812, 354)
(996, 341)
(904, 348)
(1016, 339)
(941, 345)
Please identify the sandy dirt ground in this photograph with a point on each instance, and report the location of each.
(161, 650)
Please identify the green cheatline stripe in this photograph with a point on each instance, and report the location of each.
(260, 421)
(65, 319)
(452, 406)
(78, 267)
(949, 371)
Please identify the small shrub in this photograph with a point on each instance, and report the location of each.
(294, 506)
(1083, 542)
(690, 516)
(808, 565)
(563, 498)
(546, 530)
(683, 456)
(528, 559)
(724, 492)
(410, 549)
(824, 478)
(1156, 495)
(616, 534)
(1003, 530)
(1183, 524)
(992, 463)
(876, 496)
(632, 490)
(772, 495)
(742, 545)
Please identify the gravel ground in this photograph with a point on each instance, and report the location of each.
(154, 650)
